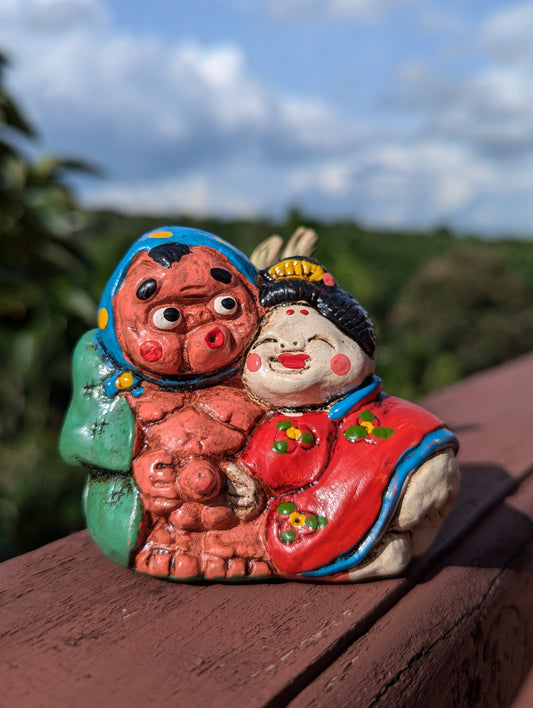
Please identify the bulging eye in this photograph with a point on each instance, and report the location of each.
(166, 317)
(146, 289)
(225, 305)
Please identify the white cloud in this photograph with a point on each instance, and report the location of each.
(176, 126)
(417, 183)
(185, 127)
(435, 19)
(145, 108)
(52, 16)
(494, 112)
(490, 108)
(493, 108)
(508, 33)
(356, 10)
(193, 195)
(227, 190)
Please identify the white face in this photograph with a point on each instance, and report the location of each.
(300, 358)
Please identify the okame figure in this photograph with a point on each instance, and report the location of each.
(359, 481)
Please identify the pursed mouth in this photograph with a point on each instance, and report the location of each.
(215, 338)
(293, 361)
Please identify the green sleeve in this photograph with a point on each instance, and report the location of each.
(98, 431)
(114, 515)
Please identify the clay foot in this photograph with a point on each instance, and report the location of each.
(391, 558)
(236, 569)
(259, 569)
(426, 502)
(215, 569)
(154, 561)
(184, 567)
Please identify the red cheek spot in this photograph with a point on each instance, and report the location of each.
(151, 351)
(290, 312)
(340, 364)
(304, 312)
(253, 363)
(328, 279)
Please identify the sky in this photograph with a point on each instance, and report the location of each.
(396, 113)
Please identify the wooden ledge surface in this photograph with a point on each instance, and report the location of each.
(77, 630)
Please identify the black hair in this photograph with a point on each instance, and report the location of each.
(330, 301)
(168, 253)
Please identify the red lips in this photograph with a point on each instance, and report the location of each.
(293, 361)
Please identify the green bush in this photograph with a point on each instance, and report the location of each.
(44, 307)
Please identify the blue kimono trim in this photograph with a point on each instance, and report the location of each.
(410, 460)
(352, 399)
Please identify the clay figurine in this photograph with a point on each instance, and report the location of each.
(233, 426)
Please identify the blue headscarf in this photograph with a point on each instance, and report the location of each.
(125, 376)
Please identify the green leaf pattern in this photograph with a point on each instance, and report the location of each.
(366, 428)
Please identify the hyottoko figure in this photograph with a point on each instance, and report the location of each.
(158, 405)
(358, 481)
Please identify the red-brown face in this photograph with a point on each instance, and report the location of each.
(195, 317)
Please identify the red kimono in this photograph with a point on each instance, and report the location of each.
(336, 476)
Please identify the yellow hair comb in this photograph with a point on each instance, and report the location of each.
(296, 268)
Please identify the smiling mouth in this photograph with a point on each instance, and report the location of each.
(293, 361)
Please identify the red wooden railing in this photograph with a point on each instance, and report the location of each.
(76, 630)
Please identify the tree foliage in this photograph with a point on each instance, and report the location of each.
(43, 308)
(463, 311)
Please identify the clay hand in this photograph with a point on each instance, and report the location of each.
(243, 493)
(157, 483)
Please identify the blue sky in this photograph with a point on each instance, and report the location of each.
(397, 113)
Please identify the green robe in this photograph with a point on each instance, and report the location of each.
(99, 433)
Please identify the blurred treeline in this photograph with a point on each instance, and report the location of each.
(444, 305)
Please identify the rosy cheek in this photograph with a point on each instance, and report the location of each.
(151, 351)
(253, 363)
(340, 364)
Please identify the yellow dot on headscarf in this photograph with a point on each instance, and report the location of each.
(124, 381)
(160, 234)
(103, 318)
